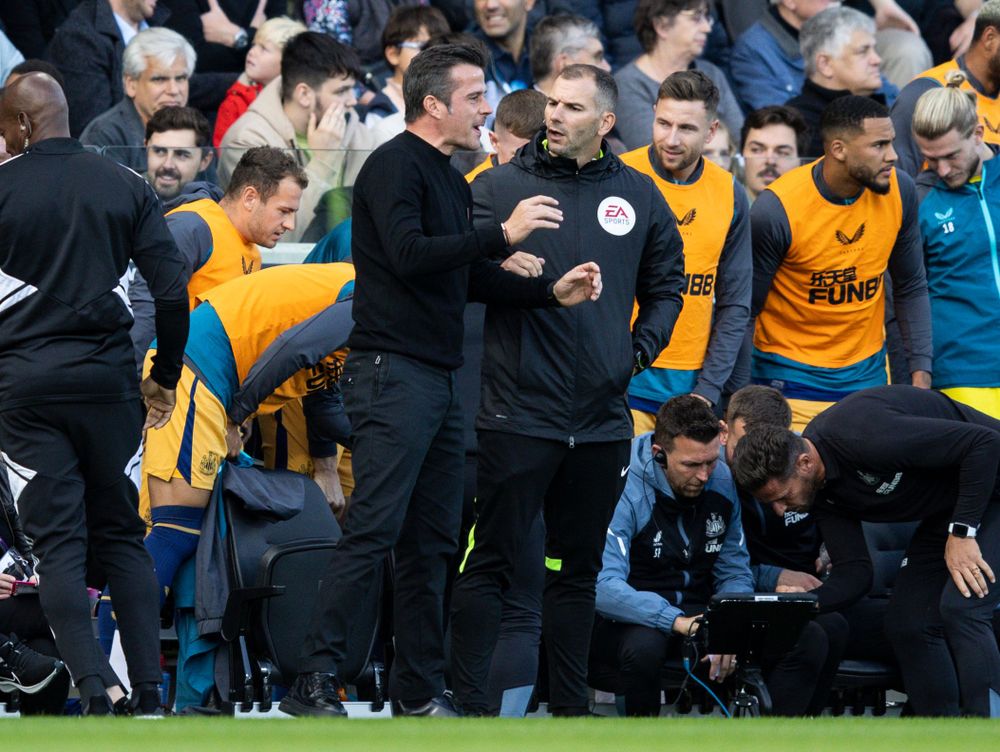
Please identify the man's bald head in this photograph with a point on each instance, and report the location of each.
(32, 109)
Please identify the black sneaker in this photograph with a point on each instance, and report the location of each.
(23, 669)
(146, 703)
(442, 706)
(314, 694)
(97, 706)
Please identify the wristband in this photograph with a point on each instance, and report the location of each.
(506, 235)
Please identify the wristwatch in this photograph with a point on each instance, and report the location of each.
(241, 40)
(961, 530)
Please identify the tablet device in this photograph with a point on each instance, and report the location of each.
(756, 624)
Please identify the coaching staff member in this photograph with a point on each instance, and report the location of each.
(418, 261)
(892, 454)
(70, 415)
(554, 426)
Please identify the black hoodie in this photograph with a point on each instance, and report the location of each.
(563, 373)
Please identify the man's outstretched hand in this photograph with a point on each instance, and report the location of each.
(580, 283)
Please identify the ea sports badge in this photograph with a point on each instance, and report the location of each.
(616, 215)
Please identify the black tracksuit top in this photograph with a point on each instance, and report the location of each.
(896, 454)
(70, 221)
(562, 374)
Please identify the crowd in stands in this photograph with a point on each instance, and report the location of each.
(827, 170)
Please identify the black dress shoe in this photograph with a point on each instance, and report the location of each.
(437, 707)
(99, 705)
(316, 694)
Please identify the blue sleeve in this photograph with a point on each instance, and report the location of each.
(732, 569)
(732, 302)
(304, 345)
(909, 282)
(193, 237)
(618, 600)
(765, 577)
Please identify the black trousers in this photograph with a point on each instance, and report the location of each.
(577, 488)
(944, 642)
(799, 681)
(408, 455)
(74, 457)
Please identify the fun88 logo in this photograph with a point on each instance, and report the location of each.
(616, 215)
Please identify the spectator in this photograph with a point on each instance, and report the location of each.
(981, 66)
(310, 109)
(263, 65)
(673, 34)
(553, 433)
(713, 217)
(33, 65)
(177, 150)
(720, 149)
(772, 139)
(357, 23)
(406, 33)
(88, 50)
(520, 115)
(9, 56)
(939, 467)
(767, 65)
(70, 310)
(558, 41)
(818, 291)
(411, 293)
(503, 26)
(675, 540)
(157, 66)
(221, 31)
(30, 24)
(958, 214)
(838, 46)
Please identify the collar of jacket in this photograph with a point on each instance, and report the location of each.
(536, 159)
(268, 106)
(789, 45)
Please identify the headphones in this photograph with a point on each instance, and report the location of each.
(660, 457)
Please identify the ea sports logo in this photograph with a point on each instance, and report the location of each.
(616, 215)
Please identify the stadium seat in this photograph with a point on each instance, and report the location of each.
(275, 568)
(862, 684)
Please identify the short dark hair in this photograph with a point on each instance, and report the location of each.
(180, 119)
(607, 88)
(847, 116)
(407, 20)
(522, 112)
(430, 74)
(264, 167)
(34, 65)
(777, 114)
(759, 405)
(647, 11)
(687, 416)
(557, 34)
(691, 86)
(311, 58)
(764, 453)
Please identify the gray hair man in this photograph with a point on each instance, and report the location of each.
(558, 41)
(156, 67)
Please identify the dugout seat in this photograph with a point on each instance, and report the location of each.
(862, 684)
(275, 568)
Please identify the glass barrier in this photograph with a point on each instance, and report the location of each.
(327, 203)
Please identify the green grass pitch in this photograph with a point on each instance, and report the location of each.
(472, 735)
